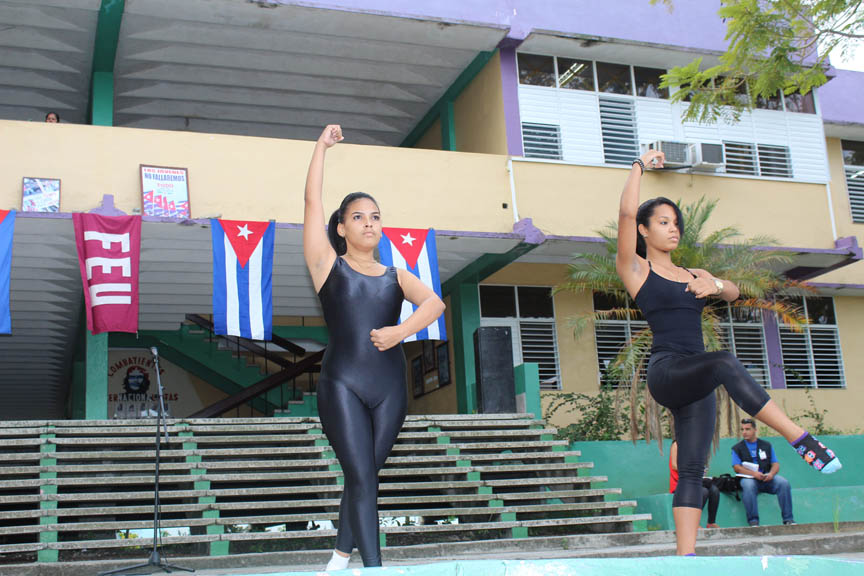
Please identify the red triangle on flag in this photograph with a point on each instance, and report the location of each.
(3, 214)
(408, 241)
(244, 237)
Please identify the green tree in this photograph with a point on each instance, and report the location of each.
(773, 46)
(723, 253)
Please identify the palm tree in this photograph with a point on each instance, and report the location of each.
(722, 252)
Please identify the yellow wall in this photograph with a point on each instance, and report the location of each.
(479, 113)
(256, 178)
(839, 192)
(431, 140)
(578, 200)
(439, 400)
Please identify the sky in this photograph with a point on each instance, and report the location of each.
(853, 61)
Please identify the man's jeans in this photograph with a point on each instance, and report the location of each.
(750, 487)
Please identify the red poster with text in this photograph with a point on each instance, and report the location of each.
(108, 251)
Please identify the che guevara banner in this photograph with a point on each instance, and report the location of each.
(414, 250)
(108, 253)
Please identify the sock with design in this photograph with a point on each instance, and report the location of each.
(816, 454)
(338, 562)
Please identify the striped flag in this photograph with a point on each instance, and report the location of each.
(7, 228)
(414, 249)
(243, 278)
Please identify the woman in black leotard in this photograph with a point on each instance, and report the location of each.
(681, 375)
(361, 390)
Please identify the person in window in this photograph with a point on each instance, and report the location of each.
(52, 118)
(361, 389)
(710, 491)
(681, 375)
(754, 461)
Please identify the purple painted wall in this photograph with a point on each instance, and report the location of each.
(839, 98)
(691, 24)
(510, 97)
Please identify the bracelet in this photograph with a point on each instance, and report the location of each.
(640, 163)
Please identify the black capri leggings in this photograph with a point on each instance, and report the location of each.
(361, 426)
(685, 385)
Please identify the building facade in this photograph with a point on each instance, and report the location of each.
(508, 127)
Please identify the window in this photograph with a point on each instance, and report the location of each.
(536, 70)
(774, 161)
(812, 358)
(757, 159)
(575, 74)
(803, 103)
(853, 164)
(618, 127)
(774, 102)
(648, 82)
(614, 78)
(530, 314)
(541, 141)
(744, 335)
(610, 336)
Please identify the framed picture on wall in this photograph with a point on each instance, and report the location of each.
(165, 191)
(428, 355)
(417, 375)
(40, 195)
(443, 356)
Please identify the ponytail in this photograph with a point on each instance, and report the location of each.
(338, 217)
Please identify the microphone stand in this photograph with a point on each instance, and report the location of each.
(156, 560)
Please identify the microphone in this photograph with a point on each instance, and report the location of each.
(154, 351)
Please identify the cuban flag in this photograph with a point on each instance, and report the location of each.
(7, 228)
(243, 278)
(413, 249)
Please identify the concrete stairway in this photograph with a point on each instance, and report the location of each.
(77, 490)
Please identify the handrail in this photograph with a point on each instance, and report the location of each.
(251, 346)
(268, 383)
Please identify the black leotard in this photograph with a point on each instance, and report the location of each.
(682, 377)
(361, 395)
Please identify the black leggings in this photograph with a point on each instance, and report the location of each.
(685, 385)
(711, 495)
(362, 435)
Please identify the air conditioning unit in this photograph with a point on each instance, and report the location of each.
(706, 157)
(677, 153)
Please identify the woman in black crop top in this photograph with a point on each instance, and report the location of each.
(361, 390)
(681, 375)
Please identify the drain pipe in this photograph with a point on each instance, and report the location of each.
(513, 189)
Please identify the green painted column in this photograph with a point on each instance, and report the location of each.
(104, 53)
(465, 315)
(102, 96)
(96, 404)
(448, 126)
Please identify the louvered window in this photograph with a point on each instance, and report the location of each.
(812, 358)
(528, 311)
(618, 126)
(774, 161)
(611, 336)
(541, 141)
(740, 158)
(757, 160)
(743, 334)
(853, 160)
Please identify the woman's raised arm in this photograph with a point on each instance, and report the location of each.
(317, 251)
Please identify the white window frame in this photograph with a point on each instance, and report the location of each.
(807, 333)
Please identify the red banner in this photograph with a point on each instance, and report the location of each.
(108, 252)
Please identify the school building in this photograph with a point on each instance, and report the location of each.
(506, 126)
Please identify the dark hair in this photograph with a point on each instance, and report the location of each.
(54, 113)
(338, 217)
(749, 421)
(646, 210)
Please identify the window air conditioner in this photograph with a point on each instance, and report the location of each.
(706, 157)
(677, 153)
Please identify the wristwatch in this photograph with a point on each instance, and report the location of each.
(719, 285)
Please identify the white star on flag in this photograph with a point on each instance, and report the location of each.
(407, 239)
(244, 231)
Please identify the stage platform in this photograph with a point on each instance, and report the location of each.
(657, 566)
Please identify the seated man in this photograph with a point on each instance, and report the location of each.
(755, 462)
(710, 491)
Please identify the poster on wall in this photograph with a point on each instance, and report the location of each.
(132, 387)
(165, 191)
(40, 195)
